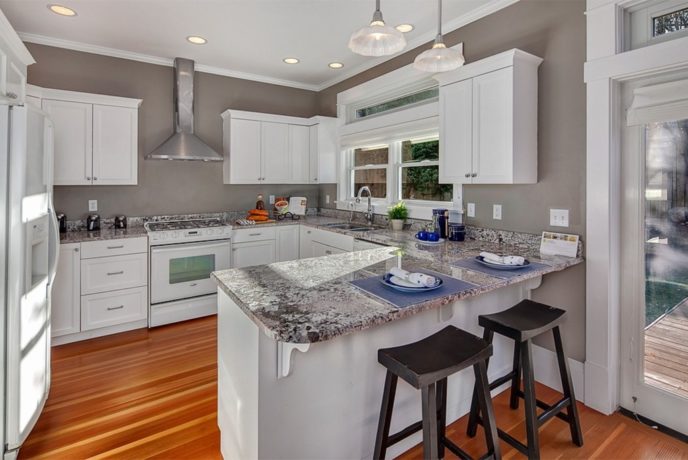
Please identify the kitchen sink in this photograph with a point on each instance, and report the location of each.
(351, 227)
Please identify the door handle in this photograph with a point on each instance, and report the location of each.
(121, 272)
(115, 308)
(254, 234)
(193, 284)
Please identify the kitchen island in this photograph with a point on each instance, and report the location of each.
(298, 375)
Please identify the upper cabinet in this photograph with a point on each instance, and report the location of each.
(263, 148)
(14, 57)
(488, 121)
(96, 137)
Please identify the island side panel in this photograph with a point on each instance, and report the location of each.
(238, 362)
(328, 407)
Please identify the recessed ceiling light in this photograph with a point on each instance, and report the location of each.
(62, 10)
(335, 65)
(196, 40)
(404, 28)
(290, 60)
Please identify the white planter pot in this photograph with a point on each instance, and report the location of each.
(397, 224)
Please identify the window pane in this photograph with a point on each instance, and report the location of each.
(429, 150)
(376, 179)
(420, 183)
(371, 156)
(398, 102)
(671, 22)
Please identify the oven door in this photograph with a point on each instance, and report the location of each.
(181, 271)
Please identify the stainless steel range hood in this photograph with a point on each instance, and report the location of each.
(183, 144)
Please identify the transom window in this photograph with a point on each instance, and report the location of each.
(670, 22)
(397, 102)
(655, 21)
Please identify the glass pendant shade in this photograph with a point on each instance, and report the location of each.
(439, 58)
(377, 39)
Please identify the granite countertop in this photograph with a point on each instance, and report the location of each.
(311, 300)
(81, 236)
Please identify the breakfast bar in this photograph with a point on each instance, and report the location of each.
(298, 340)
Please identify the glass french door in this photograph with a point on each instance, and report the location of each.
(654, 261)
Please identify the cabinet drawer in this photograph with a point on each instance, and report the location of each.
(336, 240)
(112, 308)
(119, 247)
(253, 234)
(111, 273)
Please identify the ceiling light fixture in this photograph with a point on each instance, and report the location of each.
(439, 58)
(405, 28)
(62, 10)
(196, 40)
(335, 65)
(377, 39)
(290, 60)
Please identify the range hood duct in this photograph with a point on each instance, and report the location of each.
(183, 144)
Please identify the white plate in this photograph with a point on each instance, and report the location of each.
(386, 281)
(402, 282)
(440, 241)
(482, 261)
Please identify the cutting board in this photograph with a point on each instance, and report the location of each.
(269, 221)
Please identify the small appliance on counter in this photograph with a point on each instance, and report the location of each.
(120, 221)
(62, 222)
(93, 223)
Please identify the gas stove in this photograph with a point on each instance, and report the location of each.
(184, 231)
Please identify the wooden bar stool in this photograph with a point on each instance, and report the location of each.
(522, 323)
(426, 364)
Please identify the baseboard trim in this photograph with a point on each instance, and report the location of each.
(652, 424)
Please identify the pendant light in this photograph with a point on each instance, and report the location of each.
(439, 58)
(377, 39)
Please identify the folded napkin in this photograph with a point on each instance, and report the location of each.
(419, 279)
(506, 260)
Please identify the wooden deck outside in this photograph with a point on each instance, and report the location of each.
(666, 351)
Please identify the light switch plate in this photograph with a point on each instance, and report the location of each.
(327, 199)
(497, 211)
(272, 199)
(471, 210)
(559, 217)
(92, 205)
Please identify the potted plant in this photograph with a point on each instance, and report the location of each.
(397, 215)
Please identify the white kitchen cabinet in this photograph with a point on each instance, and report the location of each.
(288, 243)
(96, 137)
(323, 154)
(488, 121)
(299, 153)
(253, 253)
(313, 239)
(305, 242)
(73, 137)
(275, 153)
(244, 147)
(103, 274)
(320, 250)
(115, 145)
(113, 308)
(66, 292)
(14, 58)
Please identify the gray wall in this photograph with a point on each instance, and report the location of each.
(555, 31)
(167, 187)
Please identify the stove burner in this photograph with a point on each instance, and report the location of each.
(184, 224)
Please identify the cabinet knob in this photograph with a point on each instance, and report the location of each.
(467, 174)
(76, 249)
(88, 178)
(315, 178)
(95, 178)
(474, 175)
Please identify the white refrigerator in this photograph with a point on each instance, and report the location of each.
(29, 242)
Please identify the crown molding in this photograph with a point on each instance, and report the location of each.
(149, 59)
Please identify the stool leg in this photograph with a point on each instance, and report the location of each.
(485, 401)
(441, 415)
(567, 386)
(472, 428)
(429, 397)
(516, 380)
(531, 414)
(381, 441)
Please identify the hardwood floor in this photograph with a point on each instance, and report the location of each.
(666, 352)
(152, 394)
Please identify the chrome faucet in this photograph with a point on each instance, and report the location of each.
(369, 213)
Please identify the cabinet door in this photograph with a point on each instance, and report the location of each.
(275, 153)
(65, 296)
(455, 133)
(493, 127)
(288, 243)
(244, 152)
(299, 152)
(73, 137)
(327, 150)
(254, 253)
(305, 242)
(313, 155)
(320, 250)
(115, 145)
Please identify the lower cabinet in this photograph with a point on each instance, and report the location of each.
(315, 242)
(112, 308)
(253, 253)
(260, 246)
(66, 293)
(319, 250)
(287, 243)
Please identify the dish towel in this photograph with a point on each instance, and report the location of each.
(506, 260)
(419, 279)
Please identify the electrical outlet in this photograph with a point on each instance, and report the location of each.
(497, 211)
(471, 209)
(327, 199)
(559, 217)
(272, 199)
(92, 205)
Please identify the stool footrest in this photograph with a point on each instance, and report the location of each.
(456, 450)
(522, 448)
(502, 380)
(547, 407)
(553, 410)
(405, 433)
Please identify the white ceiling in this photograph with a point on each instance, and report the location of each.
(246, 38)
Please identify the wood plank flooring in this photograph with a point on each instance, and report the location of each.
(666, 351)
(152, 394)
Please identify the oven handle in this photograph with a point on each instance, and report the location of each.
(189, 246)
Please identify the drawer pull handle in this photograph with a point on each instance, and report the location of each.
(193, 284)
(116, 247)
(254, 234)
(328, 252)
(121, 272)
(115, 308)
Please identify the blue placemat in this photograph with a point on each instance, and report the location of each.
(404, 299)
(472, 264)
